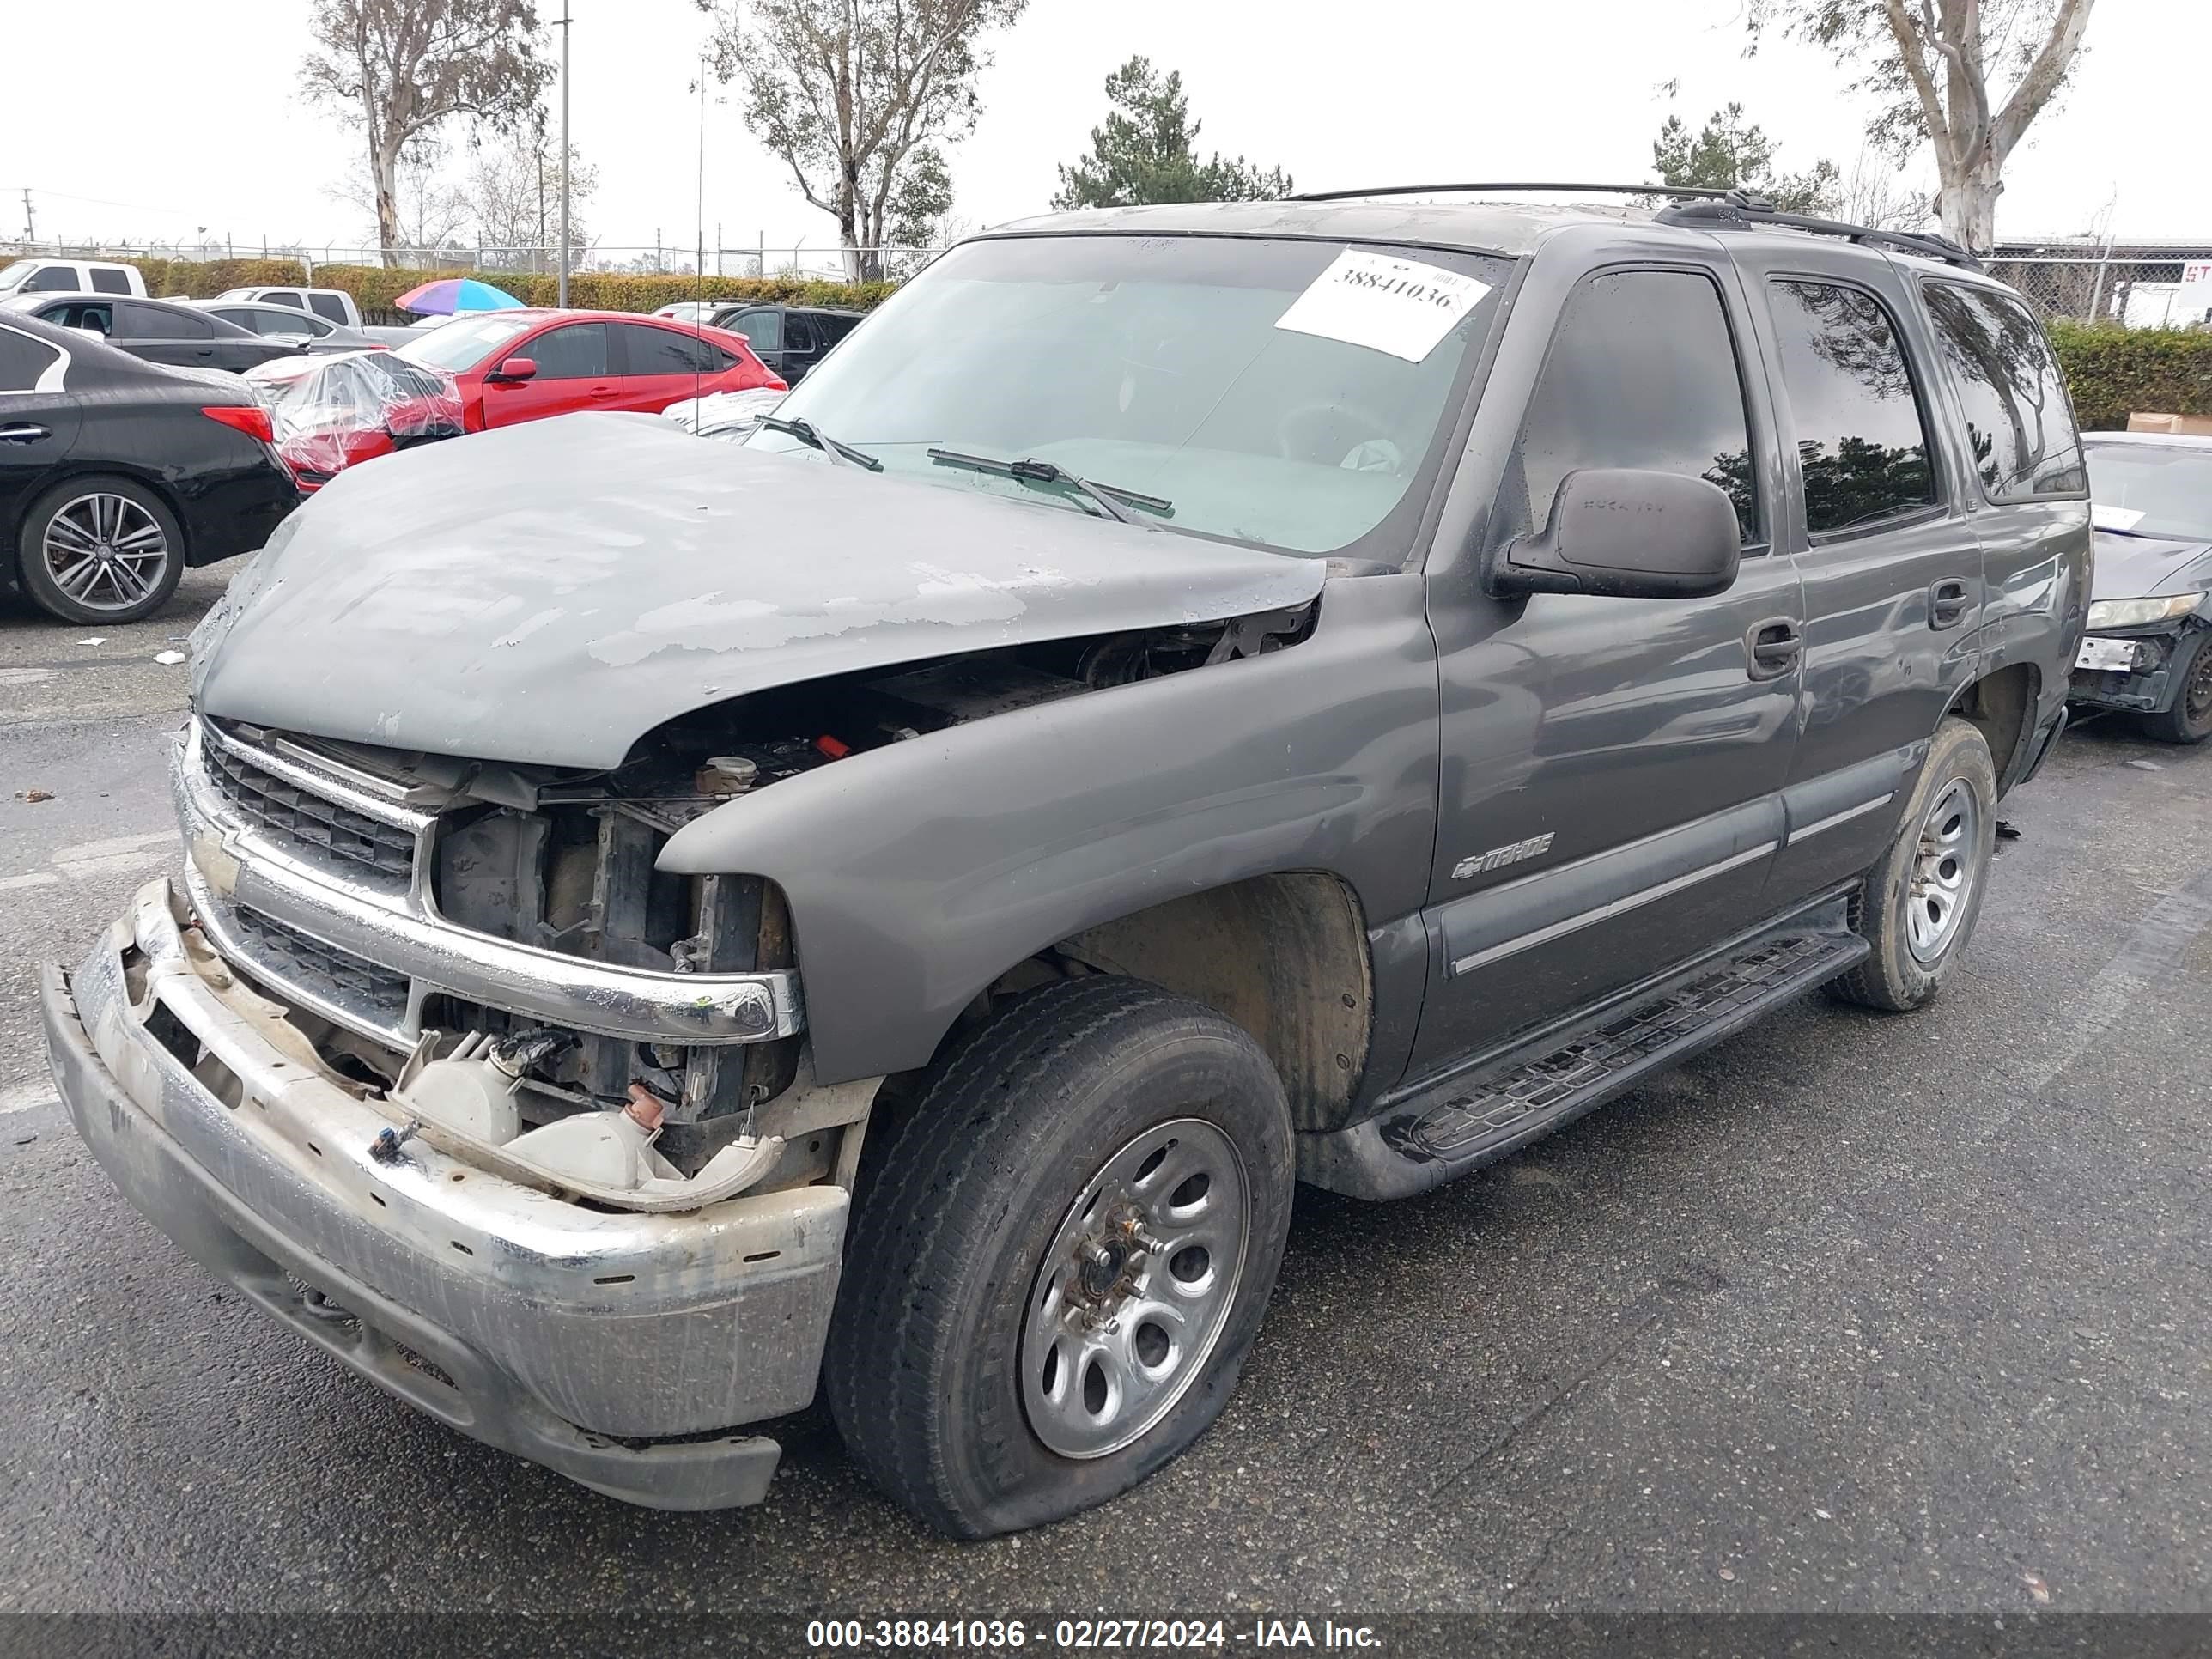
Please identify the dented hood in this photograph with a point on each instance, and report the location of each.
(551, 592)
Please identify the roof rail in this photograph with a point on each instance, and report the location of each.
(1752, 214)
(1681, 191)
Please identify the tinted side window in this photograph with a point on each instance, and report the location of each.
(798, 332)
(283, 296)
(830, 330)
(1642, 374)
(145, 322)
(664, 352)
(1860, 443)
(54, 279)
(109, 282)
(22, 360)
(577, 352)
(327, 306)
(2017, 416)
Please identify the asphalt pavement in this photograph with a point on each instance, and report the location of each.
(1855, 1313)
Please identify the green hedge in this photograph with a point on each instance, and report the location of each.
(2113, 372)
(374, 288)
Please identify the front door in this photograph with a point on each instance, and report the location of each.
(573, 372)
(1610, 792)
(1892, 566)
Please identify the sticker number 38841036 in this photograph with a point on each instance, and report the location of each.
(1398, 305)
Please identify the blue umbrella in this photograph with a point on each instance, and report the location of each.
(450, 296)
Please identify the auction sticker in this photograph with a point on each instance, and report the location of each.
(1398, 305)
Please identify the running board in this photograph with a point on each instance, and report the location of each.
(1471, 1120)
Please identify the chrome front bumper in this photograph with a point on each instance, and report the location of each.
(239, 874)
(548, 1329)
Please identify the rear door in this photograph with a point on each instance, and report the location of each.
(763, 327)
(662, 366)
(38, 423)
(1609, 797)
(185, 337)
(1878, 523)
(574, 373)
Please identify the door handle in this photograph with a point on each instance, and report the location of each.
(1773, 648)
(23, 433)
(1948, 603)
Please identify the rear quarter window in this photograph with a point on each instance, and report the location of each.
(24, 360)
(2019, 426)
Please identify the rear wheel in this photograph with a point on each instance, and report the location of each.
(2190, 719)
(1917, 907)
(1061, 1256)
(101, 549)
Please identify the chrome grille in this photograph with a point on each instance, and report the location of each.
(303, 817)
(337, 977)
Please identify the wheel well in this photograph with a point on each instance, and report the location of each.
(1284, 955)
(2000, 706)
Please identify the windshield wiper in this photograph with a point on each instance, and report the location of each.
(810, 435)
(1109, 497)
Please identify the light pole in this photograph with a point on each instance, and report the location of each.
(561, 299)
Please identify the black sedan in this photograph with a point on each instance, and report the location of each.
(160, 331)
(115, 474)
(288, 325)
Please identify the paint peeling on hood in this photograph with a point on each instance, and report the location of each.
(549, 593)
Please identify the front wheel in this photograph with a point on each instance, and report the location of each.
(2190, 719)
(1061, 1256)
(1917, 907)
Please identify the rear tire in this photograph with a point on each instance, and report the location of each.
(100, 550)
(2190, 719)
(1022, 1271)
(1917, 907)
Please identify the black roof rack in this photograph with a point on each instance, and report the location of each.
(1681, 191)
(1751, 213)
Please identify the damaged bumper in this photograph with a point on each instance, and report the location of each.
(572, 1337)
(2131, 672)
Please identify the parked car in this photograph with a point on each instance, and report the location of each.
(116, 474)
(71, 276)
(333, 304)
(790, 339)
(515, 366)
(335, 411)
(160, 331)
(691, 311)
(1291, 715)
(2146, 652)
(725, 415)
(386, 334)
(300, 331)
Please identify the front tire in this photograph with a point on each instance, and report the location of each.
(2190, 719)
(100, 550)
(1917, 907)
(1063, 1256)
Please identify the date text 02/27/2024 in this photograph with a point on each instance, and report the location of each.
(1082, 1635)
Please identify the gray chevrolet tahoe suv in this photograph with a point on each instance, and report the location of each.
(1191, 700)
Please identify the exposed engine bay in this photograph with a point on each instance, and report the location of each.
(564, 861)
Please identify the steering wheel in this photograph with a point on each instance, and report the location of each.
(1338, 434)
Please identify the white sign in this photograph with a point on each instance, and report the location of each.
(2196, 275)
(2114, 518)
(1398, 305)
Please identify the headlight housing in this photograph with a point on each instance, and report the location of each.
(2141, 613)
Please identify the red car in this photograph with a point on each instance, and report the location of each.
(524, 365)
(333, 412)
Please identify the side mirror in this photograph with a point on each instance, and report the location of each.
(516, 368)
(1627, 533)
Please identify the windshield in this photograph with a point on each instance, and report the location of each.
(464, 345)
(1286, 393)
(2151, 489)
(16, 272)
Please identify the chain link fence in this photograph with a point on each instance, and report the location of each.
(825, 261)
(2165, 291)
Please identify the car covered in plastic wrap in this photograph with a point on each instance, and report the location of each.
(332, 412)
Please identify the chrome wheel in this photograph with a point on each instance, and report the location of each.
(1943, 870)
(1136, 1288)
(104, 551)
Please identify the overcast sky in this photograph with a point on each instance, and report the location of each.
(186, 116)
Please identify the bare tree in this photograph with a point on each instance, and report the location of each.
(428, 213)
(1966, 76)
(513, 195)
(402, 68)
(1876, 197)
(847, 91)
